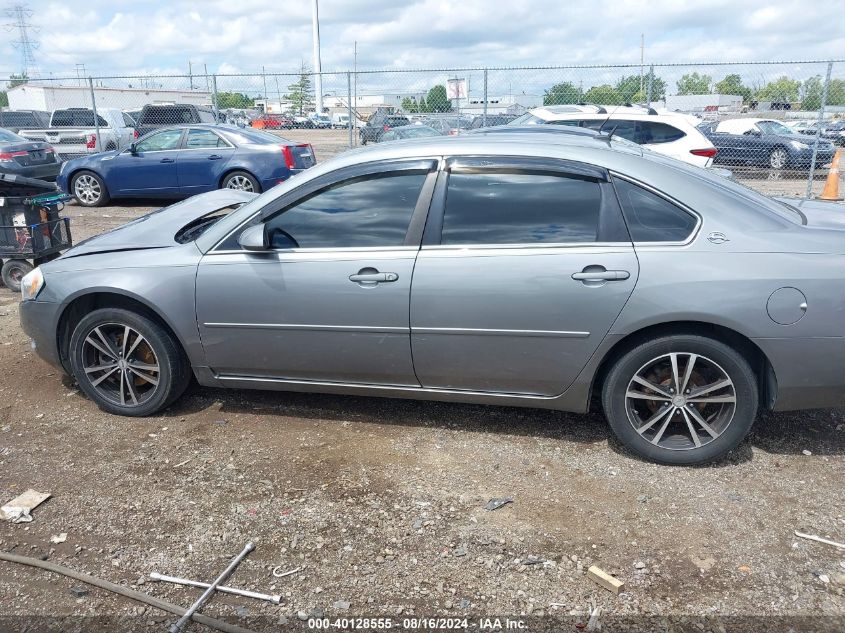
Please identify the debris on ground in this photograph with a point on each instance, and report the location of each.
(79, 592)
(818, 539)
(806, 452)
(59, 538)
(495, 504)
(593, 623)
(343, 605)
(280, 574)
(605, 580)
(18, 509)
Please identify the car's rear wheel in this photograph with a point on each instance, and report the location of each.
(89, 189)
(13, 271)
(241, 181)
(681, 399)
(127, 363)
(778, 158)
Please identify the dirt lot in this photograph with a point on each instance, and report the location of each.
(380, 503)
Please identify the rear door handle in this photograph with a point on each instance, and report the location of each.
(167, 160)
(599, 273)
(371, 276)
(215, 157)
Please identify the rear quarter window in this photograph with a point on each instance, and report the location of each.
(652, 218)
(654, 132)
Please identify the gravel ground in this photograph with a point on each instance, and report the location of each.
(381, 505)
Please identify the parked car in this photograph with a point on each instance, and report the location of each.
(764, 143)
(492, 120)
(303, 122)
(340, 120)
(404, 271)
(272, 122)
(157, 116)
(17, 120)
(669, 134)
(135, 115)
(186, 160)
(73, 131)
(320, 121)
(378, 124)
(409, 131)
(834, 131)
(448, 126)
(32, 159)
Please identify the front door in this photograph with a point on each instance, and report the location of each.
(330, 300)
(152, 169)
(523, 279)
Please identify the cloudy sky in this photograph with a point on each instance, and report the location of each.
(126, 36)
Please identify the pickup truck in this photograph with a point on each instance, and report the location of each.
(72, 131)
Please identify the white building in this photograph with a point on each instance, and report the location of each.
(48, 97)
(704, 103)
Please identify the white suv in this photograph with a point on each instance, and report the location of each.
(670, 134)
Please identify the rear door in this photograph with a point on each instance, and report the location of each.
(151, 170)
(201, 163)
(523, 269)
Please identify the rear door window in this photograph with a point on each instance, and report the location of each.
(199, 139)
(652, 218)
(520, 208)
(654, 132)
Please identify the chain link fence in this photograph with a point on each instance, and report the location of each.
(776, 126)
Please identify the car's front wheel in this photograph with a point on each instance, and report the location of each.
(779, 158)
(127, 363)
(89, 189)
(681, 399)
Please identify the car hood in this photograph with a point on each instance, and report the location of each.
(803, 138)
(158, 229)
(820, 214)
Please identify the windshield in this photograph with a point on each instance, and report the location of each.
(8, 137)
(773, 127)
(526, 119)
(418, 131)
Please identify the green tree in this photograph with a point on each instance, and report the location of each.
(18, 80)
(562, 93)
(301, 93)
(233, 100)
(836, 92)
(694, 84)
(411, 105)
(603, 95)
(628, 88)
(732, 85)
(812, 92)
(4, 99)
(783, 89)
(436, 100)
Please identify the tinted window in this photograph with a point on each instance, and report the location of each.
(76, 118)
(515, 208)
(364, 212)
(128, 121)
(204, 138)
(169, 139)
(9, 137)
(654, 132)
(651, 218)
(168, 115)
(18, 119)
(256, 137)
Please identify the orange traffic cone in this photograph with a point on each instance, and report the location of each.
(831, 187)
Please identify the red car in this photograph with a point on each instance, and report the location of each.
(272, 122)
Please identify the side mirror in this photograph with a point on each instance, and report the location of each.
(133, 149)
(254, 239)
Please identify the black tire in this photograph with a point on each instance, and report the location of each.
(230, 180)
(711, 355)
(99, 193)
(779, 158)
(13, 271)
(174, 372)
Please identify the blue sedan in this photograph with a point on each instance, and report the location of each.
(185, 160)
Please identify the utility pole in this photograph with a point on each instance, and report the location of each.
(264, 79)
(191, 74)
(318, 78)
(205, 70)
(355, 76)
(20, 13)
(80, 76)
(642, 60)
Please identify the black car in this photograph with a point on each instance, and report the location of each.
(156, 116)
(492, 120)
(764, 143)
(379, 124)
(32, 159)
(16, 120)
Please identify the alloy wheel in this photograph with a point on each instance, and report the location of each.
(778, 158)
(680, 401)
(241, 183)
(87, 189)
(120, 364)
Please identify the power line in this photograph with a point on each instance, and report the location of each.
(20, 13)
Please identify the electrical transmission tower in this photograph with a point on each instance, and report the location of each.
(20, 14)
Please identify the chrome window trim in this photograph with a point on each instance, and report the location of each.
(639, 183)
(319, 251)
(524, 246)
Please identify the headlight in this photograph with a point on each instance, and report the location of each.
(799, 145)
(31, 284)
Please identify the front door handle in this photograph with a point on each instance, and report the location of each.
(600, 273)
(371, 277)
(167, 160)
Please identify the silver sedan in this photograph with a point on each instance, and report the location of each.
(524, 270)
